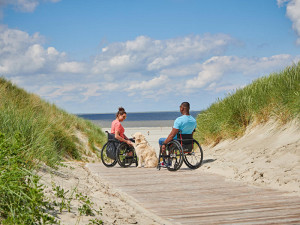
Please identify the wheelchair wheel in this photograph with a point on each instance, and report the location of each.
(194, 158)
(174, 155)
(125, 155)
(108, 162)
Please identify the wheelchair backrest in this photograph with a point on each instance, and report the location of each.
(111, 139)
(186, 141)
(110, 136)
(112, 145)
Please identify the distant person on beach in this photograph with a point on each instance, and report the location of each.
(117, 129)
(186, 124)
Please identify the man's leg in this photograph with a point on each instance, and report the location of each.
(161, 141)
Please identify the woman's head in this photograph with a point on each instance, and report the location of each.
(121, 114)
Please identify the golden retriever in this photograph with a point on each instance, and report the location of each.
(145, 153)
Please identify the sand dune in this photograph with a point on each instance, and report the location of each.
(267, 155)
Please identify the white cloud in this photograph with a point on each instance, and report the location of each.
(146, 54)
(217, 67)
(211, 70)
(160, 62)
(140, 68)
(71, 67)
(71, 92)
(109, 87)
(13, 40)
(293, 12)
(52, 52)
(55, 91)
(24, 5)
(141, 43)
(195, 46)
(22, 54)
(183, 70)
(120, 60)
(151, 84)
(92, 90)
(216, 87)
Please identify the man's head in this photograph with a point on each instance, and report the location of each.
(185, 108)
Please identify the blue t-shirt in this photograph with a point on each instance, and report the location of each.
(185, 124)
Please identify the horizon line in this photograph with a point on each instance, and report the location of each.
(135, 112)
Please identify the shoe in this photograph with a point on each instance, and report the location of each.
(163, 164)
(169, 163)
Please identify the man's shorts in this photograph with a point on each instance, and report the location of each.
(161, 141)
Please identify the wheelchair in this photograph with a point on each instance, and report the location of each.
(185, 149)
(115, 151)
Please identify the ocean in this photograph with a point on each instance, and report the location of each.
(140, 119)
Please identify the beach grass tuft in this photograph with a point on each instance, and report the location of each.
(33, 131)
(276, 96)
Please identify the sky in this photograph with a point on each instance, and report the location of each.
(94, 56)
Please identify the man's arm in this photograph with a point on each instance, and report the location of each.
(170, 138)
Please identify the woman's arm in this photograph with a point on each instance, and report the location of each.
(117, 136)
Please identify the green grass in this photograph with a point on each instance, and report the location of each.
(276, 96)
(22, 200)
(33, 131)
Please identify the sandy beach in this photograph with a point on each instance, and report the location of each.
(266, 156)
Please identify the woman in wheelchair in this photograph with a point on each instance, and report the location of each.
(118, 148)
(117, 129)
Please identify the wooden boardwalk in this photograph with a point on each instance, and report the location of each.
(195, 197)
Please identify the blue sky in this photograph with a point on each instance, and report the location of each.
(96, 55)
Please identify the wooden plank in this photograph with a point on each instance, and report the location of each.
(195, 197)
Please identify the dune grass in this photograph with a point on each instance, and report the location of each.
(276, 96)
(33, 131)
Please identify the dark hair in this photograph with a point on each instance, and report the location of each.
(185, 105)
(121, 111)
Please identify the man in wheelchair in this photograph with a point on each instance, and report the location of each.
(183, 128)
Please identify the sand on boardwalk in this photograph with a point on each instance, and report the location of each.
(266, 156)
